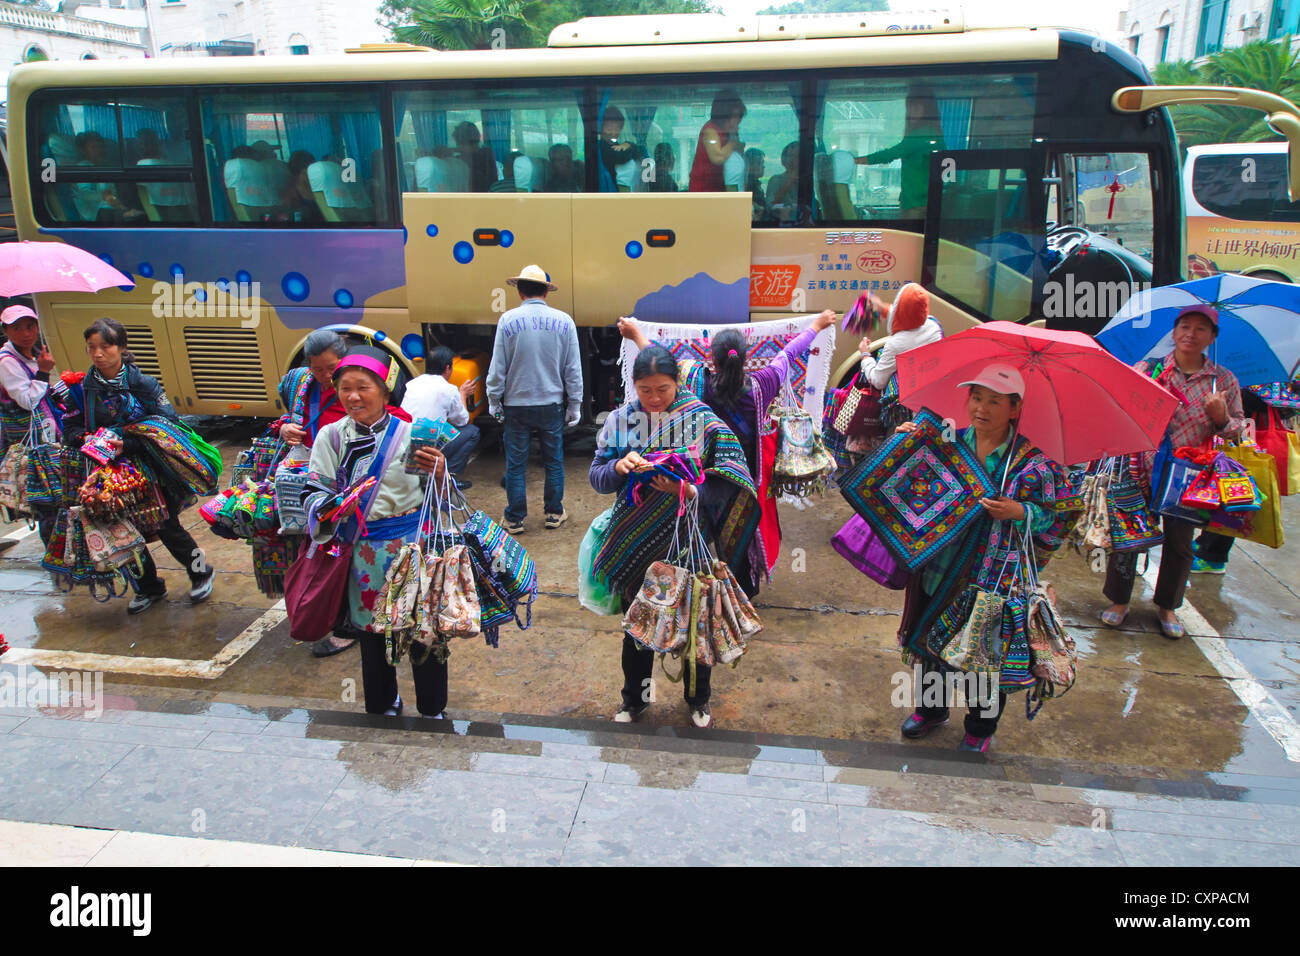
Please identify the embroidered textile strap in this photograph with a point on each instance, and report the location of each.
(45, 399)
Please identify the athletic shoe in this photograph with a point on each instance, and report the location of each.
(396, 709)
(512, 527)
(629, 715)
(144, 600)
(1201, 566)
(554, 521)
(979, 745)
(203, 590)
(918, 725)
(702, 717)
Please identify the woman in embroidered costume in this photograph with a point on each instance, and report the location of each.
(741, 399)
(1210, 408)
(116, 394)
(307, 394)
(662, 417)
(372, 442)
(1036, 498)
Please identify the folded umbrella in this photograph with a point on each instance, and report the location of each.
(1081, 403)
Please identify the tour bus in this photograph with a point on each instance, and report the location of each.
(1240, 217)
(388, 192)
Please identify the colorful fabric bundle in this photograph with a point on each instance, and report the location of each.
(679, 464)
(272, 558)
(111, 544)
(508, 561)
(45, 476)
(1263, 526)
(176, 451)
(918, 492)
(290, 481)
(1285, 395)
(802, 465)
(68, 558)
(111, 490)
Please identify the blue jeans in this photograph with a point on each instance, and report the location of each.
(521, 422)
(457, 451)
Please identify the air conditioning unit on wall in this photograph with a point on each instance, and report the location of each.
(1252, 21)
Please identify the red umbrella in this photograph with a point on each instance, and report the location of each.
(1081, 402)
(54, 267)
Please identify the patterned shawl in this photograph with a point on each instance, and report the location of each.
(306, 404)
(640, 535)
(987, 552)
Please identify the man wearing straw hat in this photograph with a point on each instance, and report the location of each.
(534, 384)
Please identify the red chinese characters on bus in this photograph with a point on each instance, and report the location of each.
(876, 261)
(772, 286)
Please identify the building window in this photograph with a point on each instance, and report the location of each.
(89, 56)
(1133, 44)
(1285, 19)
(34, 54)
(298, 49)
(1214, 18)
(1162, 37)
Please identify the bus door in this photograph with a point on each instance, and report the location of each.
(984, 231)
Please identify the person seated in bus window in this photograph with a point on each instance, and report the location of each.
(783, 187)
(337, 199)
(837, 202)
(620, 160)
(297, 200)
(665, 163)
(733, 172)
(277, 170)
(478, 158)
(98, 202)
(525, 170)
(718, 139)
(755, 166)
(507, 184)
(247, 186)
(563, 175)
(162, 202)
(922, 135)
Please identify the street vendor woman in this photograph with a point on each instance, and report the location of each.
(1034, 500)
(1209, 407)
(371, 440)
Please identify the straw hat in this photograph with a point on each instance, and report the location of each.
(533, 273)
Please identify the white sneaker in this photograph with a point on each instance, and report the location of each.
(627, 715)
(701, 717)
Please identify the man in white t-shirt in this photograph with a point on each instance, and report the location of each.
(432, 396)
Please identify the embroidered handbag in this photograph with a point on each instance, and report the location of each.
(272, 558)
(1284, 445)
(110, 544)
(651, 618)
(458, 607)
(802, 463)
(1053, 651)
(45, 476)
(859, 415)
(1133, 526)
(56, 559)
(858, 544)
(699, 621)
(978, 647)
(290, 480)
(13, 476)
(509, 561)
(735, 602)
(724, 632)
(1092, 531)
(399, 595)
(1203, 492)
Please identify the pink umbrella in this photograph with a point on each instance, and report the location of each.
(54, 267)
(1081, 402)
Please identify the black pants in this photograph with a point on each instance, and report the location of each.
(1175, 564)
(1214, 547)
(379, 679)
(638, 668)
(180, 545)
(977, 724)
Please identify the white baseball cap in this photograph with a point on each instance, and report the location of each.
(1000, 377)
(15, 312)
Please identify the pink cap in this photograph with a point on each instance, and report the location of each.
(15, 312)
(1209, 311)
(1000, 377)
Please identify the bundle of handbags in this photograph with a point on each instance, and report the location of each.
(802, 464)
(453, 583)
(258, 461)
(1016, 636)
(243, 512)
(100, 553)
(1116, 515)
(856, 416)
(690, 604)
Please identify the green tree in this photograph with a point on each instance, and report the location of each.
(826, 6)
(1269, 66)
(460, 24)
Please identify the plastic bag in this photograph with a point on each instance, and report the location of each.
(595, 595)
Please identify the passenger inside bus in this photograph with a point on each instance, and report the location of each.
(162, 202)
(562, 174)
(338, 199)
(665, 163)
(248, 185)
(719, 138)
(620, 160)
(297, 199)
(783, 187)
(922, 135)
(834, 172)
(755, 165)
(441, 170)
(478, 158)
(98, 202)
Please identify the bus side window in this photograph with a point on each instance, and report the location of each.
(296, 156)
(490, 140)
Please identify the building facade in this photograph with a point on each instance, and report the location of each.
(261, 27)
(30, 33)
(1158, 31)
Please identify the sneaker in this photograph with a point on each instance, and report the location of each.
(512, 527)
(979, 745)
(702, 717)
(203, 590)
(1201, 566)
(144, 600)
(554, 521)
(629, 715)
(918, 725)
(396, 709)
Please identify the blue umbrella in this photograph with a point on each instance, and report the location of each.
(1259, 325)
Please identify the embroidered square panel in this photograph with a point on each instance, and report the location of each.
(918, 492)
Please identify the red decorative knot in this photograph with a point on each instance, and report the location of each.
(1114, 189)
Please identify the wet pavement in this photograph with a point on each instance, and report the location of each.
(1189, 749)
